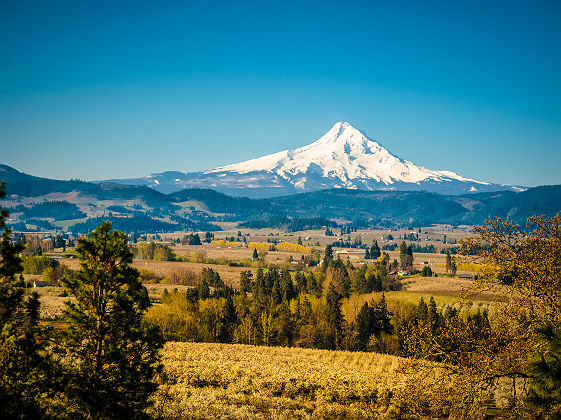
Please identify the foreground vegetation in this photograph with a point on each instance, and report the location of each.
(103, 359)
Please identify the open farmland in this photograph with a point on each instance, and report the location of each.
(209, 380)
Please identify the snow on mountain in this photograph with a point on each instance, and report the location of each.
(344, 154)
(342, 158)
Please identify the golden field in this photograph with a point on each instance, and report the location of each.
(209, 380)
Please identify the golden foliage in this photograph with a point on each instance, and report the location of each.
(487, 370)
(290, 247)
(262, 246)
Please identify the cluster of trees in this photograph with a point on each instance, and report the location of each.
(58, 210)
(103, 363)
(153, 251)
(228, 316)
(191, 239)
(451, 266)
(406, 257)
(348, 243)
(517, 351)
(274, 307)
(426, 249)
(374, 252)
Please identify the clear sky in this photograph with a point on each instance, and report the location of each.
(119, 89)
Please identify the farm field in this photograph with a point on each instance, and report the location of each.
(209, 380)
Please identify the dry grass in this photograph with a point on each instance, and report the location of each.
(238, 381)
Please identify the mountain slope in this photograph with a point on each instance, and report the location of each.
(137, 208)
(343, 158)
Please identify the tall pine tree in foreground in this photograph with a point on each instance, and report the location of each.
(22, 362)
(110, 355)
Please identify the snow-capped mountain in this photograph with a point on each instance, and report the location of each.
(342, 158)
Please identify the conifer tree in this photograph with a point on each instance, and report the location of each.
(22, 362)
(255, 254)
(245, 281)
(327, 257)
(375, 250)
(334, 314)
(365, 322)
(110, 355)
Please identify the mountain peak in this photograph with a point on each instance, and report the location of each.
(344, 132)
(344, 157)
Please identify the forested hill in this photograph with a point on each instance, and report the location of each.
(195, 208)
(384, 207)
(25, 185)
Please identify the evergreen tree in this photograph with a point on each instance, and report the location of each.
(229, 321)
(285, 325)
(311, 283)
(110, 355)
(203, 289)
(300, 279)
(422, 310)
(375, 250)
(287, 287)
(23, 363)
(545, 373)
(255, 254)
(276, 291)
(327, 257)
(383, 316)
(367, 254)
(432, 314)
(365, 322)
(334, 315)
(426, 272)
(245, 281)
(406, 257)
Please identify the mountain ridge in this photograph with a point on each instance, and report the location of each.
(134, 208)
(344, 157)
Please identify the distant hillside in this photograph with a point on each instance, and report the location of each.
(134, 207)
(380, 208)
(35, 203)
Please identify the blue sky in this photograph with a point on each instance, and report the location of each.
(117, 89)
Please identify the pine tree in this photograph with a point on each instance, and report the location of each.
(327, 257)
(255, 254)
(229, 321)
(110, 353)
(375, 250)
(365, 322)
(22, 362)
(334, 315)
(383, 316)
(406, 257)
(245, 281)
(545, 372)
